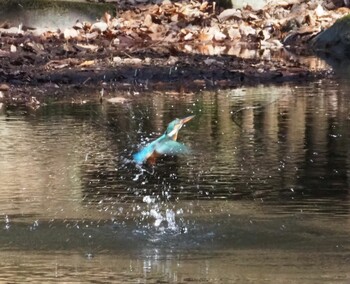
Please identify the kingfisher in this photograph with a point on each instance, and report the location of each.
(166, 144)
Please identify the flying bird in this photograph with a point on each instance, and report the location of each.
(166, 144)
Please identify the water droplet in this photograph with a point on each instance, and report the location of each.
(89, 255)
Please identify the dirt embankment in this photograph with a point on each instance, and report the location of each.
(170, 46)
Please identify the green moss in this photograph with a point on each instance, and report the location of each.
(345, 19)
(334, 40)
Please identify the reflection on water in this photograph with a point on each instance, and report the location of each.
(311, 62)
(264, 192)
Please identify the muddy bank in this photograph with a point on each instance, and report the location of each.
(143, 70)
(177, 47)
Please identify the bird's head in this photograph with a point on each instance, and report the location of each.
(174, 126)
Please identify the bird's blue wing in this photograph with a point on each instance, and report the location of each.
(142, 156)
(171, 148)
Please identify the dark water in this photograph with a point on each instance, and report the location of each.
(263, 197)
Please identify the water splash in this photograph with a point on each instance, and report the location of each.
(7, 222)
(164, 218)
(141, 172)
(34, 226)
(170, 218)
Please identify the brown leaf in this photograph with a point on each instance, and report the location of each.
(91, 35)
(204, 6)
(13, 48)
(188, 36)
(246, 30)
(216, 33)
(78, 25)
(219, 36)
(68, 47)
(174, 18)
(310, 19)
(91, 47)
(229, 14)
(87, 63)
(115, 23)
(319, 11)
(132, 61)
(148, 21)
(233, 33)
(34, 47)
(205, 35)
(99, 27)
(70, 33)
(107, 18)
(4, 87)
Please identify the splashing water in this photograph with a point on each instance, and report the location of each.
(155, 211)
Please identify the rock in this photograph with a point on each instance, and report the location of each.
(334, 40)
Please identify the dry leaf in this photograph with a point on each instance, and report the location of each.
(13, 48)
(319, 11)
(233, 33)
(155, 28)
(189, 36)
(116, 41)
(204, 6)
(174, 18)
(78, 25)
(132, 61)
(117, 59)
(107, 18)
(216, 33)
(229, 14)
(70, 33)
(205, 35)
(210, 61)
(91, 35)
(246, 30)
(4, 87)
(99, 27)
(114, 23)
(219, 36)
(34, 47)
(148, 21)
(92, 47)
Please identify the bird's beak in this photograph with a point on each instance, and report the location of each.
(186, 119)
(174, 133)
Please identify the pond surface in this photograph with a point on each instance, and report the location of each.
(263, 197)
